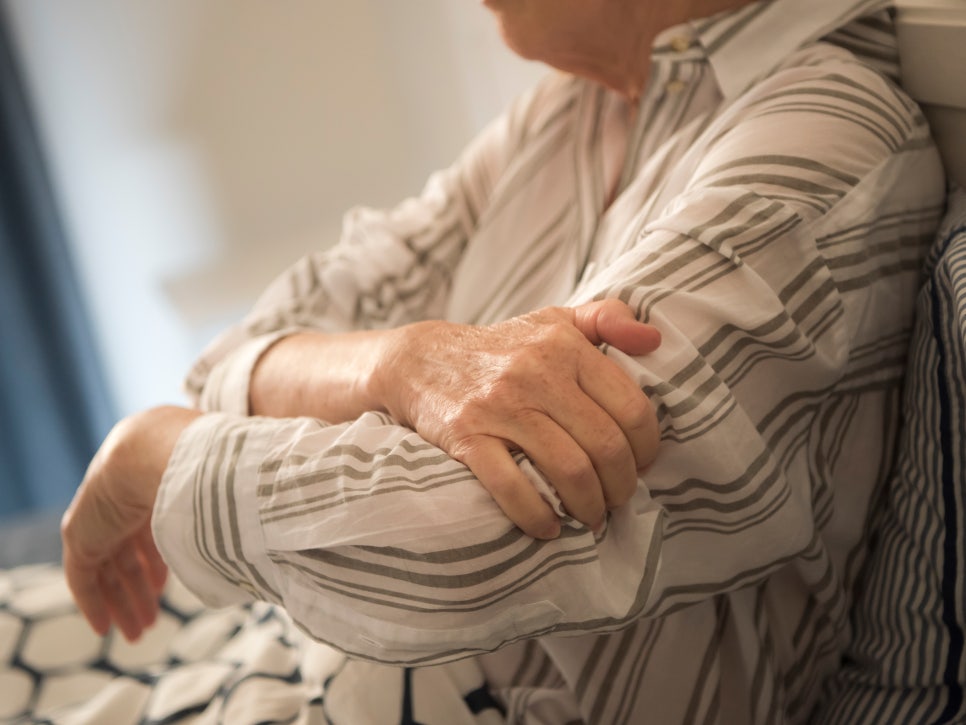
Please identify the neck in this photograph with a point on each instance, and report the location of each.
(625, 63)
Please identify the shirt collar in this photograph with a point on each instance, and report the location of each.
(747, 44)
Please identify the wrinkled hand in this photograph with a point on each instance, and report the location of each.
(538, 384)
(113, 568)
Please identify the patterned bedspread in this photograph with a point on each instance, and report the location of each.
(235, 666)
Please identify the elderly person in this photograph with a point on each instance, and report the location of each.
(437, 441)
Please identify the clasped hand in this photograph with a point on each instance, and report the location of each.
(538, 384)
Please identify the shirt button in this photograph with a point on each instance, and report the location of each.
(680, 43)
(675, 86)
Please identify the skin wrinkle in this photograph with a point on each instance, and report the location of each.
(616, 53)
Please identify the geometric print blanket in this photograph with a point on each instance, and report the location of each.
(235, 666)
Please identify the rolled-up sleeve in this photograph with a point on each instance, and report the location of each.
(377, 542)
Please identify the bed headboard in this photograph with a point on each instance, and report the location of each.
(932, 46)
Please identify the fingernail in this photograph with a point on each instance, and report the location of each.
(600, 527)
(552, 531)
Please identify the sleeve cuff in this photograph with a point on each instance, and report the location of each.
(227, 387)
(199, 512)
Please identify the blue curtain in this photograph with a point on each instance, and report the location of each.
(54, 406)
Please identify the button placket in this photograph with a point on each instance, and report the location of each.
(680, 43)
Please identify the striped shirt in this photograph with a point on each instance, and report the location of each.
(767, 206)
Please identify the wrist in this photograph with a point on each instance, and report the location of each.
(147, 442)
(381, 385)
(335, 377)
(391, 378)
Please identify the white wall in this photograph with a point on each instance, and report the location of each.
(932, 44)
(199, 146)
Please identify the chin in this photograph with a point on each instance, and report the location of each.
(510, 40)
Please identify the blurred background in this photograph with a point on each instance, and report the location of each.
(163, 160)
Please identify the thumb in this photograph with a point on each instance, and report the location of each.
(614, 323)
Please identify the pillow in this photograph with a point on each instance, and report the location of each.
(906, 662)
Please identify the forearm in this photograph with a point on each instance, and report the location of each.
(106, 529)
(332, 377)
(133, 458)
